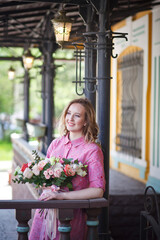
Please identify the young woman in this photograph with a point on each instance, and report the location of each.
(79, 133)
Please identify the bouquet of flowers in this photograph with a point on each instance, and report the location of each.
(49, 171)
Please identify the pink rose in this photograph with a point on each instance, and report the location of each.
(61, 161)
(47, 176)
(41, 165)
(68, 170)
(57, 172)
(50, 172)
(29, 164)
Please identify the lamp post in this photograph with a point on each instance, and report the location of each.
(28, 59)
(11, 73)
(62, 27)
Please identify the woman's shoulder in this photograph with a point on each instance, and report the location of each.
(54, 144)
(94, 146)
(57, 140)
(93, 152)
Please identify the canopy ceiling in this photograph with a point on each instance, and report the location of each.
(25, 22)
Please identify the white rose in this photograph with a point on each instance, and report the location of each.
(57, 165)
(81, 173)
(75, 167)
(17, 171)
(27, 173)
(80, 164)
(36, 170)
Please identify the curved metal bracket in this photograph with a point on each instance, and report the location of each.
(91, 45)
(151, 204)
(111, 35)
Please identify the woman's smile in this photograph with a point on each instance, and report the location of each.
(70, 124)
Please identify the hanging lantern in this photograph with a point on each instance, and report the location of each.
(62, 27)
(28, 59)
(11, 73)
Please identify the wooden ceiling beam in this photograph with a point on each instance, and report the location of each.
(24, 11)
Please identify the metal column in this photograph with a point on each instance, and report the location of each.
(43, 96)
(43, 89)
(103, 57)
(49, 105)
(90, 63)
(48, 48)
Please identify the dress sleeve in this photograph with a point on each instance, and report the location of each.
(96, 169)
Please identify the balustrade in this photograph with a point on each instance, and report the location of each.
(65, 214)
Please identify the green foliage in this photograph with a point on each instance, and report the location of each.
(6, 89)
(67, 161)
(6, 85)
(6, 150)
(11, 97)
(36, 156)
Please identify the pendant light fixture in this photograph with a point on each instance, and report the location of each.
(28, 59)
(11, 73)
(62, 27)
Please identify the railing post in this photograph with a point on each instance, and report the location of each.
(65, 216)
(23, 216)
(92, 223)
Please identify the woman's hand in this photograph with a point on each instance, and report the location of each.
(48, 195)
(51, 192)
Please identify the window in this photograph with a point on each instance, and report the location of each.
(129, 103)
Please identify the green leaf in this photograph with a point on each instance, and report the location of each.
(67, 161)
(76, 161)
(70, 186)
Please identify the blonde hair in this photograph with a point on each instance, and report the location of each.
(90, 130)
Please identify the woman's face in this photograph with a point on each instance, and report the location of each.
(75, 118)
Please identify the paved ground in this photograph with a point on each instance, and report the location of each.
(119, 185)
(8, 222)
(124, 185)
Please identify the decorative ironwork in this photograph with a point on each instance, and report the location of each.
(151, 203)
(150, 218)
(91, 47)
(129, 119)
(79, 55)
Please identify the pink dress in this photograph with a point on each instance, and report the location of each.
(89, 154)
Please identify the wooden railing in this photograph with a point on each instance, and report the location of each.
(65, 208)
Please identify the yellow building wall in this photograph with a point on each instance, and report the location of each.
(122, 167)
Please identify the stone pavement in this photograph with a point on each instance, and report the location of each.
(8, 222)
(121, 184)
